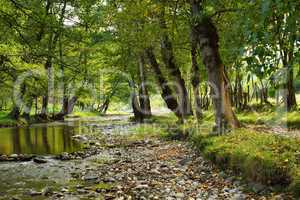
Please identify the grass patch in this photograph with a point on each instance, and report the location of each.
(271, 118)
(84, 114)
(260, 157)
(145, 131)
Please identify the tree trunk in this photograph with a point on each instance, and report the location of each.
(28, 110)
(45, 101)
(53, 39)
(290, 96)
(167, 93)
(195, 77)
(72, 104)
(208, 42)
(138, 114)
(65, 106)
(104, 107)
(143, 91)
(15, 112)
(169, 60)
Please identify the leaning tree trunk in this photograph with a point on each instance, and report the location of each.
(167, 93)
(169, 60)
(138, 114)
(209, 45)
(195, 77)
(104, 107)
(143, 90)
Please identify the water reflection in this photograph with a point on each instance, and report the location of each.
(42, 140)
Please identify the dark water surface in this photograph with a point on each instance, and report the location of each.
(46, 139)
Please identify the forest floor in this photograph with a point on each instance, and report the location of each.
(128, 166)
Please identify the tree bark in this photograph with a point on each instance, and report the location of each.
(169, 61)
(138, 114)
(72, 104)
(290, 96)
(209, 45)
(67, 107)
(15, 112)
(143, 90)
(195, 77)
(167, 93)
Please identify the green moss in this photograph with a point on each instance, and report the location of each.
(104, 186)
(261, 157)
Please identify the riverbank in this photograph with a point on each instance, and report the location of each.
(133, 161)
(267, 158)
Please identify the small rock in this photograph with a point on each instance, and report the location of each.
(90, 178)
(3, 158)
(257, 187)
(142, 186)
(81, 191)
(64, 190)
(14, 156)
(239, 197)
(34, 193)
(39, 160)
(80, 137)
(64, 156)
(47, 191)
(179, 195)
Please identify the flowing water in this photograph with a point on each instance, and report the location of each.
(17, 179)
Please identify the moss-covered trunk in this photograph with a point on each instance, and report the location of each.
(208, 41)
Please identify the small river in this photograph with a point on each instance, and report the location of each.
(17, 179)
(44, 139)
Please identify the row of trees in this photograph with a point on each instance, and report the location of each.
(196, 51)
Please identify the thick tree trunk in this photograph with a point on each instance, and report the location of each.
(138, 114)
(143, 91)
(208, 42)
(167, 93)
(169, 60)
(230, 116)
(67, 107)
(15, 112)
(290, 96)
(72, 104)
(195, 77)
